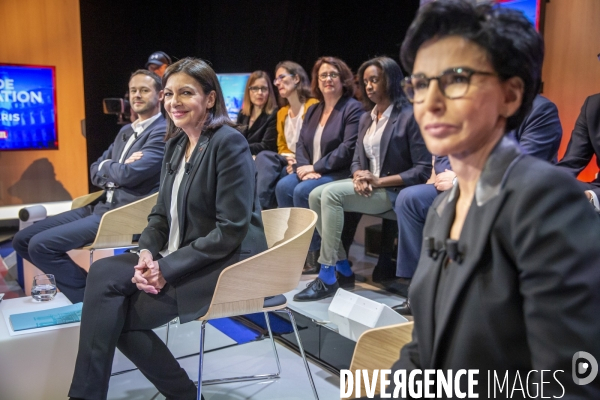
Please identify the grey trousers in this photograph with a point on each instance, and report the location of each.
(330, 201)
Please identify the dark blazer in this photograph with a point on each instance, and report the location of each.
(219, 216)
(541, 132)
(136, 180)
(262, 135)
(337, 141)
(402, 150)
(585, 141)
(527, 293)
(441, 164)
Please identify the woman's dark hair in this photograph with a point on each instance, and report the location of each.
(247, 104)
(513, 46)
(205, 76)
(303, 87)
(392, 79)
(345, 76)
(155, 78)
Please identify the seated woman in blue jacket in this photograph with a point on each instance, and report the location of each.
(390, 154)
(259, 113)
(326, 144)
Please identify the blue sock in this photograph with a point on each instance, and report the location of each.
(327, 274)
(343, 267)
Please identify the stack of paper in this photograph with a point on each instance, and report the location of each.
(51, 317)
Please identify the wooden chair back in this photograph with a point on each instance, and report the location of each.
(118, 226)
(242, 287)
(84, 200)
(379, 348)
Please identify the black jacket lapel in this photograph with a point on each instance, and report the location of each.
(474, 236)
(439, 221)
(386, 136)
(365, 123)
(313, 122)
(195, 161)
(172, 167)
(120, 142)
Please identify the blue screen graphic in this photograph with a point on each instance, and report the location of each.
(233, 86)
(27, 108)
(528, 7)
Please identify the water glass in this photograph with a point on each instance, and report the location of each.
(43, 288)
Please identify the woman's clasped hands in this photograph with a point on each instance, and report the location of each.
(307, 172)
(364, 182)
(147, 276)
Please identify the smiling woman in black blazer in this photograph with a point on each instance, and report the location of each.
(206, 218)
(258, 116)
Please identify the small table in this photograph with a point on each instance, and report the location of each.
(39, 364)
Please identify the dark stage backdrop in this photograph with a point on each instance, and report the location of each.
(234, 35)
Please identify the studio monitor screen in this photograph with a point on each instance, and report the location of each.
(28, 108)
(233, 86)
(532, 9)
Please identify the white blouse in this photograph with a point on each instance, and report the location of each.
(317, 144)
(292, 127)
(174, 237)
(372, 139)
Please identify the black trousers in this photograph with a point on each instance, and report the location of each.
(117, 314)
(45, 245)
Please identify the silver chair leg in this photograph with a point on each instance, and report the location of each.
(259, 377)
(201, 360)
(273, 343)
(171, 322)
(91, 256)
(310, 378)
(167, 334)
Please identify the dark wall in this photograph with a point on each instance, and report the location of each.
(235, 36)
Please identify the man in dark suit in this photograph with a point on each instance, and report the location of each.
(128, 171)
(584, 143)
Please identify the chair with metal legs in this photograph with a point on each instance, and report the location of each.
(257, 284)
(118, 226)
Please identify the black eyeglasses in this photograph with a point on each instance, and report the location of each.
(255, 89)
(453, 83)
(372, 79)
(333, 75)
(280, 78)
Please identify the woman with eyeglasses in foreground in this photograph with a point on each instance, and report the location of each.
(508, 278)
(258, 114)
(293, 86)
(206, 218)
(390, 154)
(326, 144)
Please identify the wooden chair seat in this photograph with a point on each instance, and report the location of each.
(257, 284)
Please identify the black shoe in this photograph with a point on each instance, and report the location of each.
(346, 282)
(311, 265)
(403, 309)
(317, 290)
(384, 272)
